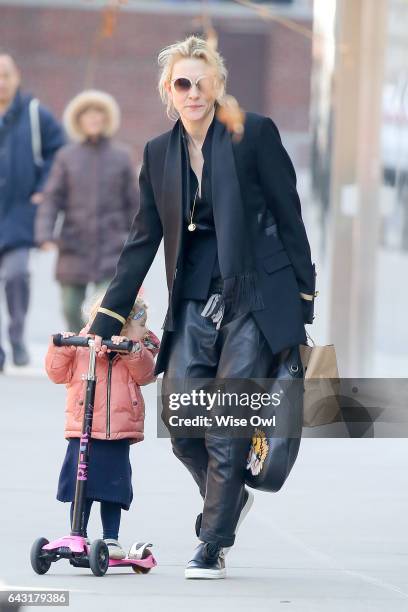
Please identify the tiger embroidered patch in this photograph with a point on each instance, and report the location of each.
(257, 452)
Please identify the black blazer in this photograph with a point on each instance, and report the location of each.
(267, 181)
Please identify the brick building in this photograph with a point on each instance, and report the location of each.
(269, 65)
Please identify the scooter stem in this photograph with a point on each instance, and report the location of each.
(92, 360)
(84, 446)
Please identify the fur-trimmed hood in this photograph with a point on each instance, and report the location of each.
(91, 97)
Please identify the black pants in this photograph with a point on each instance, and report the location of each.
(217, 463)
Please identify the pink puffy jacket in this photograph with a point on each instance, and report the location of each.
(123, 415)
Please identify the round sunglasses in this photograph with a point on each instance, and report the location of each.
(183, 84)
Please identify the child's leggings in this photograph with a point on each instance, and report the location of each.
(110, 515)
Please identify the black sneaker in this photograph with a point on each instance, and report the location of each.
(208, 562)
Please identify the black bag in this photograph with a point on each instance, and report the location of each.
(270, 459)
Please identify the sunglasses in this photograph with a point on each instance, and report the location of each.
(203, 83)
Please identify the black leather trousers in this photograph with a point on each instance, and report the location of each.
(217, 462)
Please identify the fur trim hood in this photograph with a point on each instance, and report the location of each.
(91, 97)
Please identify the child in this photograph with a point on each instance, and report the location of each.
(118, 418)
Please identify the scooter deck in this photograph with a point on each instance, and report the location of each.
(66, 546)
(147, 563)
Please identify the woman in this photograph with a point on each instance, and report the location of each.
(239, 273)
(93, 183)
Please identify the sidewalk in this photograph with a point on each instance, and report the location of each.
(333, 538)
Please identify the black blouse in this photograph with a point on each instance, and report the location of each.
(200, 258)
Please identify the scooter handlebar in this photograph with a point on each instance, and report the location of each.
(83, 341)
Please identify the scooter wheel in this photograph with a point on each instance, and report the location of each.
(99, 558)
(39, 562)
(138, 569)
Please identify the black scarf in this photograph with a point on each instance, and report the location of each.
(235, 253)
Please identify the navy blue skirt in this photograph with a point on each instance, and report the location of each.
(109, 472)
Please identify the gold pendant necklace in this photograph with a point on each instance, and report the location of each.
(192, 226)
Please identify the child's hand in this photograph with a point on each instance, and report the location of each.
(68, 334)
(118, 340)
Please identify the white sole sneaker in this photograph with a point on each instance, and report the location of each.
(204, 574)
(244, 512)
(115, 550)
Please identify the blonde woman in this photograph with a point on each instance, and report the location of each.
(238, 266)
(92, 182)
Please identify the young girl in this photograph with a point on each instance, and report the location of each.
(118, 419)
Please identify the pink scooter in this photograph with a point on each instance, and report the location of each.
(75, 547)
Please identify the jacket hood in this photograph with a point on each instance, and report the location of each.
(87, 98)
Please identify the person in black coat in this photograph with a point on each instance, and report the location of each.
(241, 283)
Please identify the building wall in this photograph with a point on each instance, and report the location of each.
(269, 65)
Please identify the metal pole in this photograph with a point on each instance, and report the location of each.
(356, 181)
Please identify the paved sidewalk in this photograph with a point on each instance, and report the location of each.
(334, 538)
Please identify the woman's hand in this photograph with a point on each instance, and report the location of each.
(99, 349)
(136, 343)
(119, 339)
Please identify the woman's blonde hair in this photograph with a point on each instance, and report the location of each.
(91, 311)
(191, 47)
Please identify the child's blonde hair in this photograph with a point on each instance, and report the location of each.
(92, 309)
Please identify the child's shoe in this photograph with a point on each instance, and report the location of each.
(115, 549)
